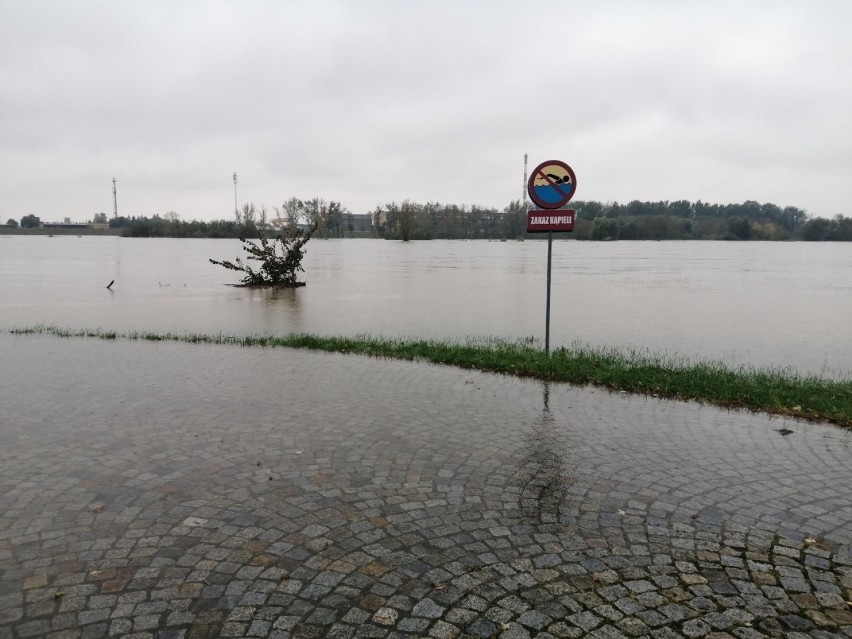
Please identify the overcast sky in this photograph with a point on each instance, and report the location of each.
(367, 102)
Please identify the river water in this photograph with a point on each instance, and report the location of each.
(762, 303)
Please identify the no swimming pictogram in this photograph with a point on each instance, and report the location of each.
(552, 184)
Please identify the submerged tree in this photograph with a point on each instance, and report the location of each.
(280, 259)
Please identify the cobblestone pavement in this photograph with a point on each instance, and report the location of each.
(175, 490)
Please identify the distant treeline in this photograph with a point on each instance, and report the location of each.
(679, 220)
(330, 218)
(156, 226)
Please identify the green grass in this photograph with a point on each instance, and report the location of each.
(779, 392)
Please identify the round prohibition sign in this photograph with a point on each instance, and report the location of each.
(552, 184)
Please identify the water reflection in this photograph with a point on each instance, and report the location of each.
(542, 470)
(282, 306)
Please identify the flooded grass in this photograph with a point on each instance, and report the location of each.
(779, 392)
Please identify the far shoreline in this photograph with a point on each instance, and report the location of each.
(117, 232)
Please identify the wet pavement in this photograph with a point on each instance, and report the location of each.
(176, 490)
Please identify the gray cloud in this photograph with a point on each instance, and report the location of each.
(368, 102)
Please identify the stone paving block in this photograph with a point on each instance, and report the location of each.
(393, 499)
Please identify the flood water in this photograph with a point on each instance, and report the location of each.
(761, 303)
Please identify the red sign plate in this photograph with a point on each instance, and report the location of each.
(540, 221)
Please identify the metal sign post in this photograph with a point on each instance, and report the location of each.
(547, 321)
(551, 186)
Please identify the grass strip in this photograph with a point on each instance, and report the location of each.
(778, 392)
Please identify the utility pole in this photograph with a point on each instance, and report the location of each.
(236, 208)
(524, 187)
(114, 199)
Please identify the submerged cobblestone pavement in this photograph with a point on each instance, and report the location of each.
(174, 490)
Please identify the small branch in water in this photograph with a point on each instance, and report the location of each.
(109, 286)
